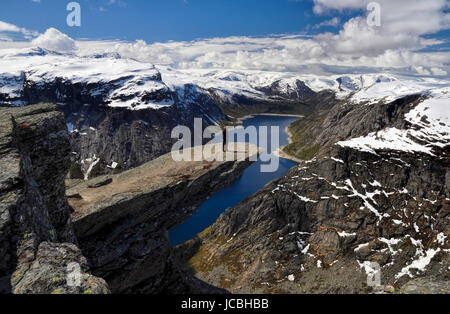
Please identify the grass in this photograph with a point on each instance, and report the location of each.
(303, 146)
(75, 171)
(96, 171)
(200, 261)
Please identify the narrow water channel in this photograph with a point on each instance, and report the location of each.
(251, 181)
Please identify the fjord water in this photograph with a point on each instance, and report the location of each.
(251, 181)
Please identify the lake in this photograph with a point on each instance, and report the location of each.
(249, 183)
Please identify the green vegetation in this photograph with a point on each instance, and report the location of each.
(96, 171)
(303, 146)
(75, 171)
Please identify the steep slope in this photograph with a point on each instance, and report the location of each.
(122, 221)
(377, 191)
(37, 242)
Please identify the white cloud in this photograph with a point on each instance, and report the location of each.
(9, 32)
(394, 44)
(403, 24)
(277, 53)
(357, 47)
(53, 39)
(6, 27)
(334, 22)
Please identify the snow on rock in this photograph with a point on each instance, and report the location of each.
(430, 127)
(120, 82)
(432, 118)
(389, 139)
(11, 85)
(440, 238)
(422, 261)
(344, 234)
(388, 89)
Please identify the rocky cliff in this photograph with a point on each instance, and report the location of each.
(122, 222)
(374, 195)
(37, 242)
(115, 227)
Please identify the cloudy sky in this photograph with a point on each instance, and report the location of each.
(325, 36)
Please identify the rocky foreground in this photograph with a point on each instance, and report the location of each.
(37, 242)
(119, 223)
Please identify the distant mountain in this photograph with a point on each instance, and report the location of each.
(121, 111)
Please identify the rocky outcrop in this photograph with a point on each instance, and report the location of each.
(122, 221)
(343, 214)
(37, 242)
(430, 285)
(123, 137)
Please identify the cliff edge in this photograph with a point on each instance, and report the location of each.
(37, 242)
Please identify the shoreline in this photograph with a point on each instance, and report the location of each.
(280, 151)
(249, 116)
(281, 154)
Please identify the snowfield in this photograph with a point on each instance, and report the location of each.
(127, 83)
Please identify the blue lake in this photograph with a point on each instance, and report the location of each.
(251, 181)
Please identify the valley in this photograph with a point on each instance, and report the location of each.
(370, 182)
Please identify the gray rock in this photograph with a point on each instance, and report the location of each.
(426, 286)
(37, 241)
(123, 229)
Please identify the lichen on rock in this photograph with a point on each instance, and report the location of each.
(37, 241)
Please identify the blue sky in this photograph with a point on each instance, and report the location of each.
(330, 35)
(161, 21)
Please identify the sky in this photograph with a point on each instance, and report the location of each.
(325, 36)
(161, 21)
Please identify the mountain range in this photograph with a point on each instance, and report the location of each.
(373, 184)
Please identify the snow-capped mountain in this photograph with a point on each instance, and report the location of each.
(107, 99)
(127, 83)
(106, 79)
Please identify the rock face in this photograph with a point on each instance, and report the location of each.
(357, 207)
(37, 241)
(122, 225)
(426, 286)
(126, 137)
